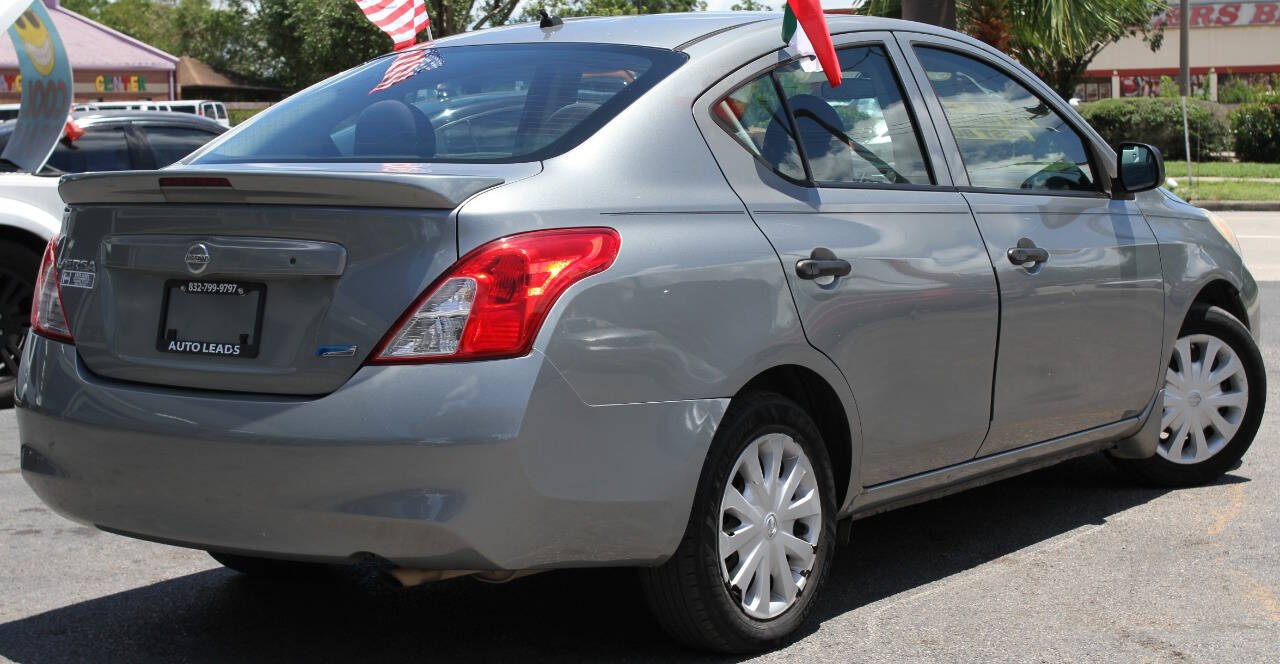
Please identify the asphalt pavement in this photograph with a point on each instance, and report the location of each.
(1070, 563)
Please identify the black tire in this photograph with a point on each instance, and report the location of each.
(18, 267)
(1159, 471)
(268, 568)
(688, 594)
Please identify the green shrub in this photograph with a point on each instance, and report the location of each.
(1241, 91)
(238, 115)
(1257, 130)
(1158, 121)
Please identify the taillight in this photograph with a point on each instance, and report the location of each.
(48, 317)
(492, 302)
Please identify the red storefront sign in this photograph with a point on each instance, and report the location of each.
(1225, 14)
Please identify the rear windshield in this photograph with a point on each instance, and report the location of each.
(493, 103)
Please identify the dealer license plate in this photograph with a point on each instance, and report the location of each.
(222, 318)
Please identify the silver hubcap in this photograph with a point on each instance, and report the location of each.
(770, 520)
(1206, 394)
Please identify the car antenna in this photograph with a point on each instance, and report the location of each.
(548, 21)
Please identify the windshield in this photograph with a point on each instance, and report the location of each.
(488, 104)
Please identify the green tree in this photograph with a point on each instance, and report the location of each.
(287, 43)
(224, 36)
(1056, 39)
(308, 40)
(753, 6)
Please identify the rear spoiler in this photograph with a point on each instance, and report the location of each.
(283, 187)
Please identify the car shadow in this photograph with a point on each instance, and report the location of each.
(565, 615)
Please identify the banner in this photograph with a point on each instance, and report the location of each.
(1222, 14)
(46, 89)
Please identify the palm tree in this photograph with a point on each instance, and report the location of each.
(1057, 39)
(936, 12)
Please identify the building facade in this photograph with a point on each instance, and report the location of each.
(107, 65)
(1230, 41)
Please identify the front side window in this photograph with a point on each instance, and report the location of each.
(858, 133)
(482, 104)
(1009, 138)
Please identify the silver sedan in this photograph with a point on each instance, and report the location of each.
(643, 292)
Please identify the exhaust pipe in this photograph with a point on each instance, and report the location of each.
(408, 578)
(416, 577)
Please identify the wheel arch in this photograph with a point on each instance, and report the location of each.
(22, 237)
(820, 399)
(1222, 294)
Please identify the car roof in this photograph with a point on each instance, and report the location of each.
(661, 30)
(90, 118)
(656, 30)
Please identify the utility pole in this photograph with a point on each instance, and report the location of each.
(1184, 75)
(1184, 47)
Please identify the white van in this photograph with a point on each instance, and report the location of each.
(214, 110)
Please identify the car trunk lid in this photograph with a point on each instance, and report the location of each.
(258, 280)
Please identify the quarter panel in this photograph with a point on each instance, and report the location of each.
(696, 304)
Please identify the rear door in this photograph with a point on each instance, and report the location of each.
(103, 147)
(1081, 290)
(913, 323)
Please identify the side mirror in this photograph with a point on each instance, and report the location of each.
(1140, 166)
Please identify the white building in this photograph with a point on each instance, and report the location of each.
(1228, 40)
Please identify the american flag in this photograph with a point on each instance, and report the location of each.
(402, 19)
(423, 57)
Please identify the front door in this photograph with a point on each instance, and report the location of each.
(849, 175)
(1081, 290)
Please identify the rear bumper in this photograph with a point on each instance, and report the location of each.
(484, 465)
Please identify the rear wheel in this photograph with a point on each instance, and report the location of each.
(1215, 391)
(270, 568)
(760, 537)
(18, 267)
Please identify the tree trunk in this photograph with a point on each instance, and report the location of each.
(935, 12)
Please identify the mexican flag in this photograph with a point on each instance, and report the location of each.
(804, 28)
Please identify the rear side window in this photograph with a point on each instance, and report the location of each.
(169, 144)
(222, 111)
(1009, 138)
(753, 114)
(860, 133)
(486, 104)
(100, 149)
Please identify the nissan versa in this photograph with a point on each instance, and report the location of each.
(642, 292)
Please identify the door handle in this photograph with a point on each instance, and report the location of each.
(1027, 252)
(822, 262)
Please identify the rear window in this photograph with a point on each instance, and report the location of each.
(488, 104)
